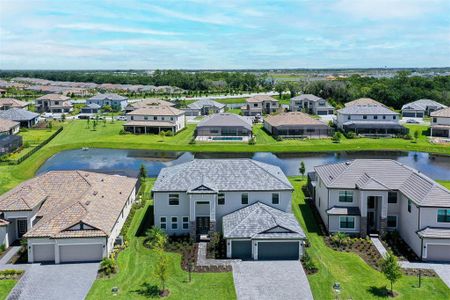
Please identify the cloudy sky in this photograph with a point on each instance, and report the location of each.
(198, 34)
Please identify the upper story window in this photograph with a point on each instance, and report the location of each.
(221, 198)
(349, 117)
(255, 105)
(392, 197)
(365, 117)
(275, 198)
(56, 102)
(409, 205)
(384, 117)
(434, 120)
(145, 118)
(394, 117)
(155, 118)
(132, 118)
(174, 199)
(375, 117)
(244, 198)
(443, 215)
(345, 196)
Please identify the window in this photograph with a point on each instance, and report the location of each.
(255, 105)
(185, 222)
(275, 198)
(434, 120)
(155, 118)
(221, 199)
(244, 198)
(345, 196)
(56, 102)
(409, 205)
(394, 117)
(392, 221)
(443, 215)
(375, 117)
(174, 222)
(174, 199)
(347, 222)
(392, 197)
(163, 222)
(348, 117)
(132, 118)
(171, 118)
(365, 117)
(384, 117)
(146, 118)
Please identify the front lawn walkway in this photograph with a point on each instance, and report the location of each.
(358, 280)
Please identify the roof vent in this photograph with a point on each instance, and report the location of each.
(87, 202)
(120, 193)
(95, 193)
(102, 180)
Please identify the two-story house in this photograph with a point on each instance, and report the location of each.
(369, 119)
(366, 196)
(67, 216)
(53, 103)
(248, 201)
(154, 119)
(440, 123)
(259, 105)
(311, 104)
(115, 101)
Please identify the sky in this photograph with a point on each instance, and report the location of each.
(196, 34)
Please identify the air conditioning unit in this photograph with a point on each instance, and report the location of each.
(118, 241)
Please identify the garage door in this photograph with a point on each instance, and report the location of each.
(438, 252)
(81, 253)
(241, 249)
(44, 253)
(278, 250)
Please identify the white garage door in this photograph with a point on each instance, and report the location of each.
(81, 253)
(44, 253)
(438, 252)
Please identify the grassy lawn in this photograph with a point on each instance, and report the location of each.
(5, 287)
(137, 263)
(358, 280)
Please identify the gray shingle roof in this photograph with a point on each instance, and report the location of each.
(389, 174)
(261, 221)
(108, 96)
(309, 97)
(18, 114)
(366, 110)
(226, 120)
(422, 104)
(205, 102)
(222, 175)
(432, 232)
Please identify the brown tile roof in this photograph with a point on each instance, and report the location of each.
(11, 102)
(261, 98)
(71, 197)
(157, 111)
(363, 101)
(7, 125)
(445, 112)
(54, 97)
(3, 222)
(150, 102)
(292, 118)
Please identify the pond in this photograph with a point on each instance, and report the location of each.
(127, 162)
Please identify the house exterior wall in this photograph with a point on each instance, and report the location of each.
(222, 131)
(440, 121)
(408, 224)
(179, 120)
(342, 118)
(321, 199)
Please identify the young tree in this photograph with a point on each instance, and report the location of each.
(88, 123)
(416, 135)
(142, 172)
(94, 125)
(302, 169)
(156, 238)
(63, 117)
(337, 137)
(161, 270)
(391, 269)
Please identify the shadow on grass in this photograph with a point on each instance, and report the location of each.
(381, 292)
(148, 290)
(147, 221)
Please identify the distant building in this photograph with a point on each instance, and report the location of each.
(154, 119)
(259, 105)
(311, 104)
(420, 108)
(54, 103)
(223, 127)
(24, 117)
(90, 109)
(146, 103)
(440, 123)
(204, 107)
(116, 102)
(296, 124)
(7, 103)
(8, 139)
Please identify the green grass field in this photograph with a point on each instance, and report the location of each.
(5, 287)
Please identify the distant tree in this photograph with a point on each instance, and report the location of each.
(280, 87)
(88, 122)
(416, 135)
(391, 269)
(302, 168)
(293, 87)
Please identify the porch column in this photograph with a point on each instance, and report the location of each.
(363, 218)
(192, 221)
(212, 213)
(383, 215)
(431, 131)
(145, 129)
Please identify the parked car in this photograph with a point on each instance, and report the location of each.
(121, 118)
(412, 121)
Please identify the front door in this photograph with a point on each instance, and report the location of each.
(372, 214)
(202, 225)
(22, 228)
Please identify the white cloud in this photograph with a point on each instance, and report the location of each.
(112, 28)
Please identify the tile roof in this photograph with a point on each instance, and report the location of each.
(18, 114)
(67, 198)
(108, 97)
(261, 221)
(292, 119)
(363, 101)
(226, 120)
(11, 102)
(7, 125)
(433, 232)
(369, 109)
(385, 174)
(445, 112)
(222, 175)
(54, 97)
(422, 104)
(261, 98)
(205, 102)
(157, 111)
(150, 102)
(309, 97)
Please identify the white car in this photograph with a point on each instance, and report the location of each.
(121, 118)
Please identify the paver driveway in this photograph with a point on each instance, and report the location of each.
(64, 281)
(272, 280)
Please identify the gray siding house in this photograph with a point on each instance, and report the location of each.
(203, 196)
(311, 104)
(223, 126)
(115, 101)
(420, 108)
(204, 107)
(26, 118)
(440, 123)
(367, 196)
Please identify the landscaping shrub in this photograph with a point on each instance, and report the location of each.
(156, 238)
(308, 263)
(340, 239)
(124, 132)
(108, 266)
(216, 246)
(279, 139)
(350, 135)
(252, 141)
(337, 137)
(408, 137)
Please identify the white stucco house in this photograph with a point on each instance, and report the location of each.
(246, 200)
(154, 119)
(440, 123)
(67, 216)
(366, 196)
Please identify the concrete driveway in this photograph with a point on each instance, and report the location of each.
(64, 281)
(272, 280)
